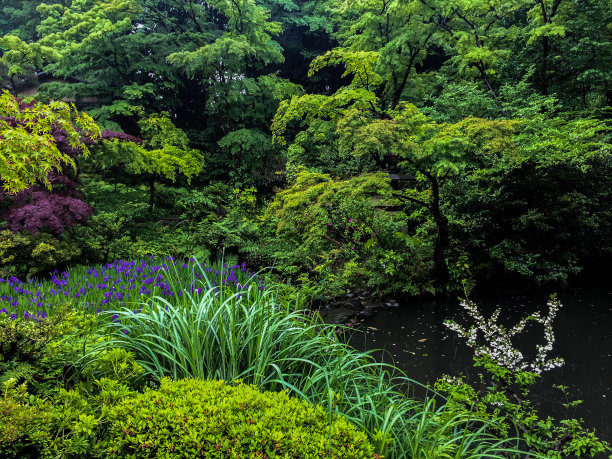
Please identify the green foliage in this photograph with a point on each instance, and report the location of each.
(219, 420)
(35, 349)
(336, 234)
(23, 59)
(16, 417)
(116, 364)
(67, 425)
(551, 230)
(164, 154)
(26, 255)
(28, 148)
(248, 153)
(104, 239)
(506, 402)
(239, 420)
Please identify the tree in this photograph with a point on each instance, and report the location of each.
(37, 139)
(222, 78)
(432, 152)
(542, 216)
(22, 60)
(163, 154)
(354, 123)
(402, 34)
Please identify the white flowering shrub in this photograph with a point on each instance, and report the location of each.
(504, 395)
(488, 338)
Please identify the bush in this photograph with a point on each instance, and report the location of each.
(187, 418)
(218, 420)
(35, 348)
(68, 425)
(26, 255)
(335, 232)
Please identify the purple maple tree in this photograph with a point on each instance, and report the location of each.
(56, 210)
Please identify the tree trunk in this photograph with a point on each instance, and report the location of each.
(151, 194)
(442, 238)
(483, 74)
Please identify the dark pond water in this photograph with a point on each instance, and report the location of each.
(415, 339)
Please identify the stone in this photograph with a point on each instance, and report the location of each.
(337, 316)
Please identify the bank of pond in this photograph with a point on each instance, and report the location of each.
(167, 358)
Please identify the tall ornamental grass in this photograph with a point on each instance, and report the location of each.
(249, 335)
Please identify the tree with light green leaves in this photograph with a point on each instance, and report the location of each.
(352, 123)
(209, 65)
(164, 153)
(28, 131)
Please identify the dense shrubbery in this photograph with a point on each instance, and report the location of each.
(218, 420)
(185, 418)
(337, 235)
(25, 254)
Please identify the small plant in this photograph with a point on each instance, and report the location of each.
(35, 348)
(498, 339)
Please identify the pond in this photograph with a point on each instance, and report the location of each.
(415, 339)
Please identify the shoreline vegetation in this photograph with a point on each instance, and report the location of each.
(222, 322)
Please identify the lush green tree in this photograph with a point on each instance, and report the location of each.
(352, 123)
(544, 215)
(164, 153)
(115, 55)
(29, 147)
(434, 153)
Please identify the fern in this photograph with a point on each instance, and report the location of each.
(21, 371)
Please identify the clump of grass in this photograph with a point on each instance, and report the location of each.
(249, 335)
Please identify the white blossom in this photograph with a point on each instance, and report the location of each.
(496, 342)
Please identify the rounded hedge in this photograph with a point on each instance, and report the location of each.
(196, 418)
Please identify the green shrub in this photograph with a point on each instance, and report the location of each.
(187, 418)
(194, 418)
(16, 415)
(117, 364)
(67, 425)
(104, 239)
(335, 233)
(34, 350)
(26, 255)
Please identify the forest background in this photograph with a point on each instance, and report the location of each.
(396, 146)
